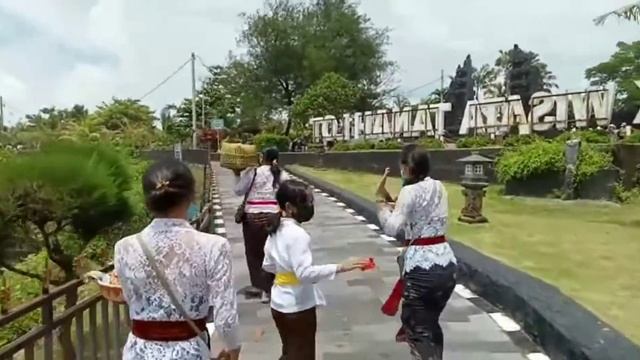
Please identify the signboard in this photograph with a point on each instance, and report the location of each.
(488, 116)
(217, 124)
(177, 151)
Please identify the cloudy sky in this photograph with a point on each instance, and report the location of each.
(62, 52)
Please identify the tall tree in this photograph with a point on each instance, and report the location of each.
(331, 95)
(119, 114)
(622, 68)
(630, 12)
(291, 45)
(483, 79)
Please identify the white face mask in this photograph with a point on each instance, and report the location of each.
(402, 173)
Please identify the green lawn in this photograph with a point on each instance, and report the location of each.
(589, 250)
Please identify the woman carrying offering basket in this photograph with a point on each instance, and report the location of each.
(258, 185)
(172, 274)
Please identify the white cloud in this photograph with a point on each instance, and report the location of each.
(90, 50)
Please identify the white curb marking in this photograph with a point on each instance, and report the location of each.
(221, 231)
(373, 227)
(505, 322)
(387, 237)
(464, 292)
(537, 356)
(361, 218)
(218, 221)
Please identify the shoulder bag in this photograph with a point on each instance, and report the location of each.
(240, 212)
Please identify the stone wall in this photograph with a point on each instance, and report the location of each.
(444, 164)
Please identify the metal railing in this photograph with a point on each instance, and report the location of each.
(91, 328)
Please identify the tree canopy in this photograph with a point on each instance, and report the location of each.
(622, 68)
(291, 45)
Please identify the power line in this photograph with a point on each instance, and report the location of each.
(207, 67)
(165, 80)
(423, 86)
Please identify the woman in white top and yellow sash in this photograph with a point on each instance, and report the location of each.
(294, 296)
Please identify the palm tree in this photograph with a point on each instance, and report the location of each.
(483, 78)
(400, 102)
(630, 12)
(435, 97)
(497, 89)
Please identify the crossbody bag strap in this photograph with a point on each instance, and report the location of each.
(253, 179)
(167, 287)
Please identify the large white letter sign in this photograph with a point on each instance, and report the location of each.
(637, 119)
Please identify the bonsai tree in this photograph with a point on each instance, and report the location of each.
(59, 199)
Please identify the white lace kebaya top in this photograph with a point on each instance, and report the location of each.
(198, 265)
(289, 250)
(262, 194)
(422, 211)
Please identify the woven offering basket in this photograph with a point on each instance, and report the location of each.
(237, 157)
(109, 286)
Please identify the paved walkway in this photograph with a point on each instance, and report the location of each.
(351, 327)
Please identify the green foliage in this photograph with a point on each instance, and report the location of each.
(390, 144)
(361, 145)
(331, 95)
(341, 146)
(430, 143)
(634, 138)
(471, 142)
(265, 140)
(622, 68)
(291, 45)
(591, 161)
(521, 140)
(121, 114)
(540, 158)
(589, 136)
(62, 197)
(522, 162)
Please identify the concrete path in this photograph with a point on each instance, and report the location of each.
(351, 326)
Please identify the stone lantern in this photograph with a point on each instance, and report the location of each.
(474, 182)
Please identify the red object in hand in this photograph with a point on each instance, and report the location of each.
(370, 265)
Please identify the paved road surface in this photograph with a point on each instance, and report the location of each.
(351, 326)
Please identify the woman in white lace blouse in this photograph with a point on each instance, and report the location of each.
(197, 267)
(428, 265)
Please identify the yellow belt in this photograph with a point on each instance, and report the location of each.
(286, 279)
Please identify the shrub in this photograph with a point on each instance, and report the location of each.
(586, 136)
(430, 143)
(539, 158)
(360, 145)
(634, 138)
(474, 142)
(520, 140)
(341, 146)
(389, 144)
(265, 140)
(522, 162)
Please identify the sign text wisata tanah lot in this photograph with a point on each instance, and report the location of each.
(547, 111)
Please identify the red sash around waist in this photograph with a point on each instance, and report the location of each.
(262, 202)
(391, 306)
(158, 330)
(426, 241)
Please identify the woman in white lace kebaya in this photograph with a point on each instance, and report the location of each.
(196, 265)
(428, 265)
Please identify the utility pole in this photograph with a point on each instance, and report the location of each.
(441, 86)
(193, 101)
(1, 114)
(203, 118)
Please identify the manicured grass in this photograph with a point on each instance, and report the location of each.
(589, 250)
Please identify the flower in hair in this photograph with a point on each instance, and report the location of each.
(162, 184)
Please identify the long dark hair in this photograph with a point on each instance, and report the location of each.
(270, 157)
(419, 165)
(406, 151)
(293, 192)
(167, 184)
